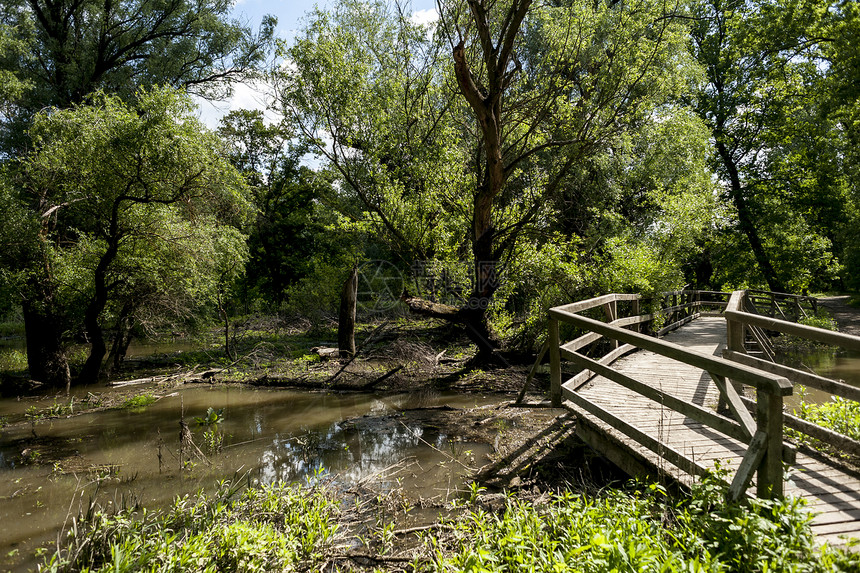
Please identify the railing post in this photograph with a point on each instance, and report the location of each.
(735, 334)
(675, 313)
(611, 309)
(635, 312)
(554, 364)
(769, 420)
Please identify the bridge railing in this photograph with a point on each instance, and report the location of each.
(744, 319)
(763, 434)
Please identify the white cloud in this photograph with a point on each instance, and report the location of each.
(257, 95)
(428, 16)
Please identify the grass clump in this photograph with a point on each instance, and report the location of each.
(269, 528)
(641, 530)
(139, 402)
(288, 528)
(839, 415)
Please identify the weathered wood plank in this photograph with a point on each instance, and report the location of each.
(661, 449)
(719, 423)
(710, 363)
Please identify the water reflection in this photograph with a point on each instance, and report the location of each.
(824, 361)
(55, 465)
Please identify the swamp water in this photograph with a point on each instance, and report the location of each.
(827, 362)
(49, 470)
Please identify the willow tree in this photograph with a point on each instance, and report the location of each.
(363, 86)
(548, 86)
(135, 205)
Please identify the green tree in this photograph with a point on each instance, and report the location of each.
(550, 86)
(291, 228)
(124, 195)
(365, 91)
(764, 102)
(75, 47)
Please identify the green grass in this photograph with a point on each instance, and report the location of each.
(285, 528)
(138, 403)
(271, 528)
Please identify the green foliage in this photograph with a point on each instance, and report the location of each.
(117, 47)
(823, 321)
(271, 528)
(839, 415)
(641, 530)
(778, 141)
(213, 417)
(12, 360)
(138, 403)
(142, 214)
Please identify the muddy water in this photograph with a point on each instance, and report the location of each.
(825, 362)
(49, 469)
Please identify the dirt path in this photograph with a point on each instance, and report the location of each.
(847, 317)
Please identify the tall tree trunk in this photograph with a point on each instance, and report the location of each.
(46, 357)
(121, 341)
(745, 219)
(346, 316)
(92, 369)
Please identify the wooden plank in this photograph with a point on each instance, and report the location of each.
(543, 349)
(676, 325)
(723, 367)
(770, 483)
(582, 341)
(749, 464)
(762, 341)
(590, 303)
(730, 395)
(663, 450)
(554, 364)
(713, 420)
(841, 339)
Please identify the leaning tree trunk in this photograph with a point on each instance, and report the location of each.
(485, 100)
(746, 222)
(92, 369)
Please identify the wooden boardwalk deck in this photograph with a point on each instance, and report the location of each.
(832, 492)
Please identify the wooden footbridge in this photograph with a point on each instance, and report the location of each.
(661, 386)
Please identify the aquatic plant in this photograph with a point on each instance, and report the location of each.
(213, 417)
(138, 403)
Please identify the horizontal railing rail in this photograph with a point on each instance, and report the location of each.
(743, 318)
(762, 434)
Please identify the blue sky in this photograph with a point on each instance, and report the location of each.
(290, 15)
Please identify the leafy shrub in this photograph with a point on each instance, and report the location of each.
(642, 530)
(270, 528)
(839, 415)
